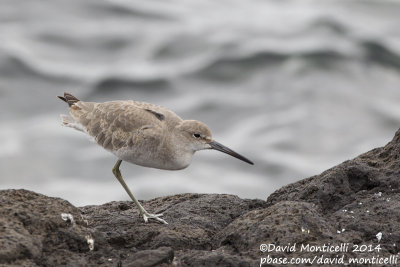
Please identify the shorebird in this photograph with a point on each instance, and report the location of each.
(143, 134)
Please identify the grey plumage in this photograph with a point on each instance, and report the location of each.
(142, 134)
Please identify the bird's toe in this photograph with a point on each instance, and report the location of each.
(147, 216)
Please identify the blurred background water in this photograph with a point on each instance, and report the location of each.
(296, 86)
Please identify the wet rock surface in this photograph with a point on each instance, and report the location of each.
(355, 203)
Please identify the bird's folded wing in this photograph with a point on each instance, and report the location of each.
(117, 124)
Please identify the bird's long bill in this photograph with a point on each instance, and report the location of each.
(217, 146)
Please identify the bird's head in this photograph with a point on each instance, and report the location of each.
(197, 136)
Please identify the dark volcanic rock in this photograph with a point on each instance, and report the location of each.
(348, 204)
(33, 232)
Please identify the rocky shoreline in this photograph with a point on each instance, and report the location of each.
(354, 205)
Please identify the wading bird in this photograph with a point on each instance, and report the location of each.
(143, 134)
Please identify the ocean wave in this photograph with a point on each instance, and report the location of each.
(129, 83)
(121, 9)
(234, 68)
(376, 52)
(20, 64)
(330, 24)
(99, 42)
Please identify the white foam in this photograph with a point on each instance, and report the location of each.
(379, 236)
(90, 241)
(68, 217)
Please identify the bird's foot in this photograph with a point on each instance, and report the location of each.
(147, 216)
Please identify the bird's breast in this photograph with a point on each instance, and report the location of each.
(160, 159)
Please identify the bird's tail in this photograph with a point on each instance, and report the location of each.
(69, 99)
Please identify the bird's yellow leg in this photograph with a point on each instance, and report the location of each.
(143, 212)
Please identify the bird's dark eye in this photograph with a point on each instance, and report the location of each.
(196, 135)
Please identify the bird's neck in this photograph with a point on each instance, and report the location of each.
(178, 151)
